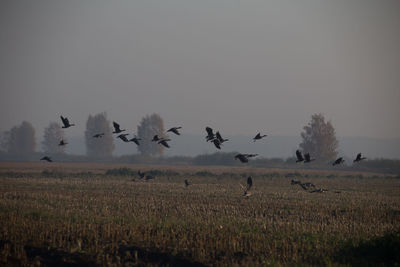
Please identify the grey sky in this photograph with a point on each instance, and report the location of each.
(239, 66)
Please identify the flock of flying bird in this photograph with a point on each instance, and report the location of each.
(217, 140)
(212, 137)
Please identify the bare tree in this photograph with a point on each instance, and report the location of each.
(319, 139)
(150, 126)
(20, 140)
(53, 134)
(100, 147)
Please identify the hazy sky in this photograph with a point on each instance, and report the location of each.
(238, 66)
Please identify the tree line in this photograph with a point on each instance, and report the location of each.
(20, 141)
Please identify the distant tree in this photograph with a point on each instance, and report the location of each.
(102, 147)
(51, 138)
(20, 140)
(150, 126)
(319, 139)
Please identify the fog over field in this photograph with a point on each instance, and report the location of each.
(239, 66)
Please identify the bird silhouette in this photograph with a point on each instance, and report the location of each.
(307, 158)
(210, 135)
(123, 137)
(299, 156)
(187, 183)
(248, 187)
(117, 128)
(141, 174)
(319, 190)
(62, 143)
(216, 143)
(156, 138)
(99, 135)
(135, 140)
(175, 130)
(219, 137)
(359, 158)
(259, 137)
(65, 122)
(338, 161)
(164, 142)
(244, 158)
(46, 158)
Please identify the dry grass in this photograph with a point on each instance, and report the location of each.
(95, 219)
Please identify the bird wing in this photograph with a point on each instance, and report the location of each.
(64, 120)
(217, 143)
(164, 143)
(358, 156)
(219, 137)
(299, 155)
(209, 131)
(249, 183)
(307, 156)
(116, 126)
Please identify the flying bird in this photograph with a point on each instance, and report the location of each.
(141, 174)
(123, 137)
(135, 140)
(187, 183)
(62, 143)
(164, 142)
(175, 130)
(117, 128)
(156, 138)
(258, 137)
(359, 158)
(65, 122)
(99, 135)
(244, 158)
(299, 156)
(217, 143)
(219, 137)
(307, 158)
(46, 158)
(210, 135)
(319, 190)
(248, 187)
(338, 161)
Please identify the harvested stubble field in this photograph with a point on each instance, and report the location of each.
(66, 213)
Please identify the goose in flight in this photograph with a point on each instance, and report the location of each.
(244, 158)
(163, 142)
(187, 183)
(65, 122)
(99, 135)
(156, 138)
(259, 137)
(141, 174)
(46, 158)
(216, 143)
(135, 140)
(62, 143)
(319, 190)
(248, 187)
(210, 135)
(117, 128)
(338, 161)
(359, 158)
(175, 130)
(123, 137)
(307, 158)
(299, 156)
(219, 137)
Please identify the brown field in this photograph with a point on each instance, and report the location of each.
(72, 213)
